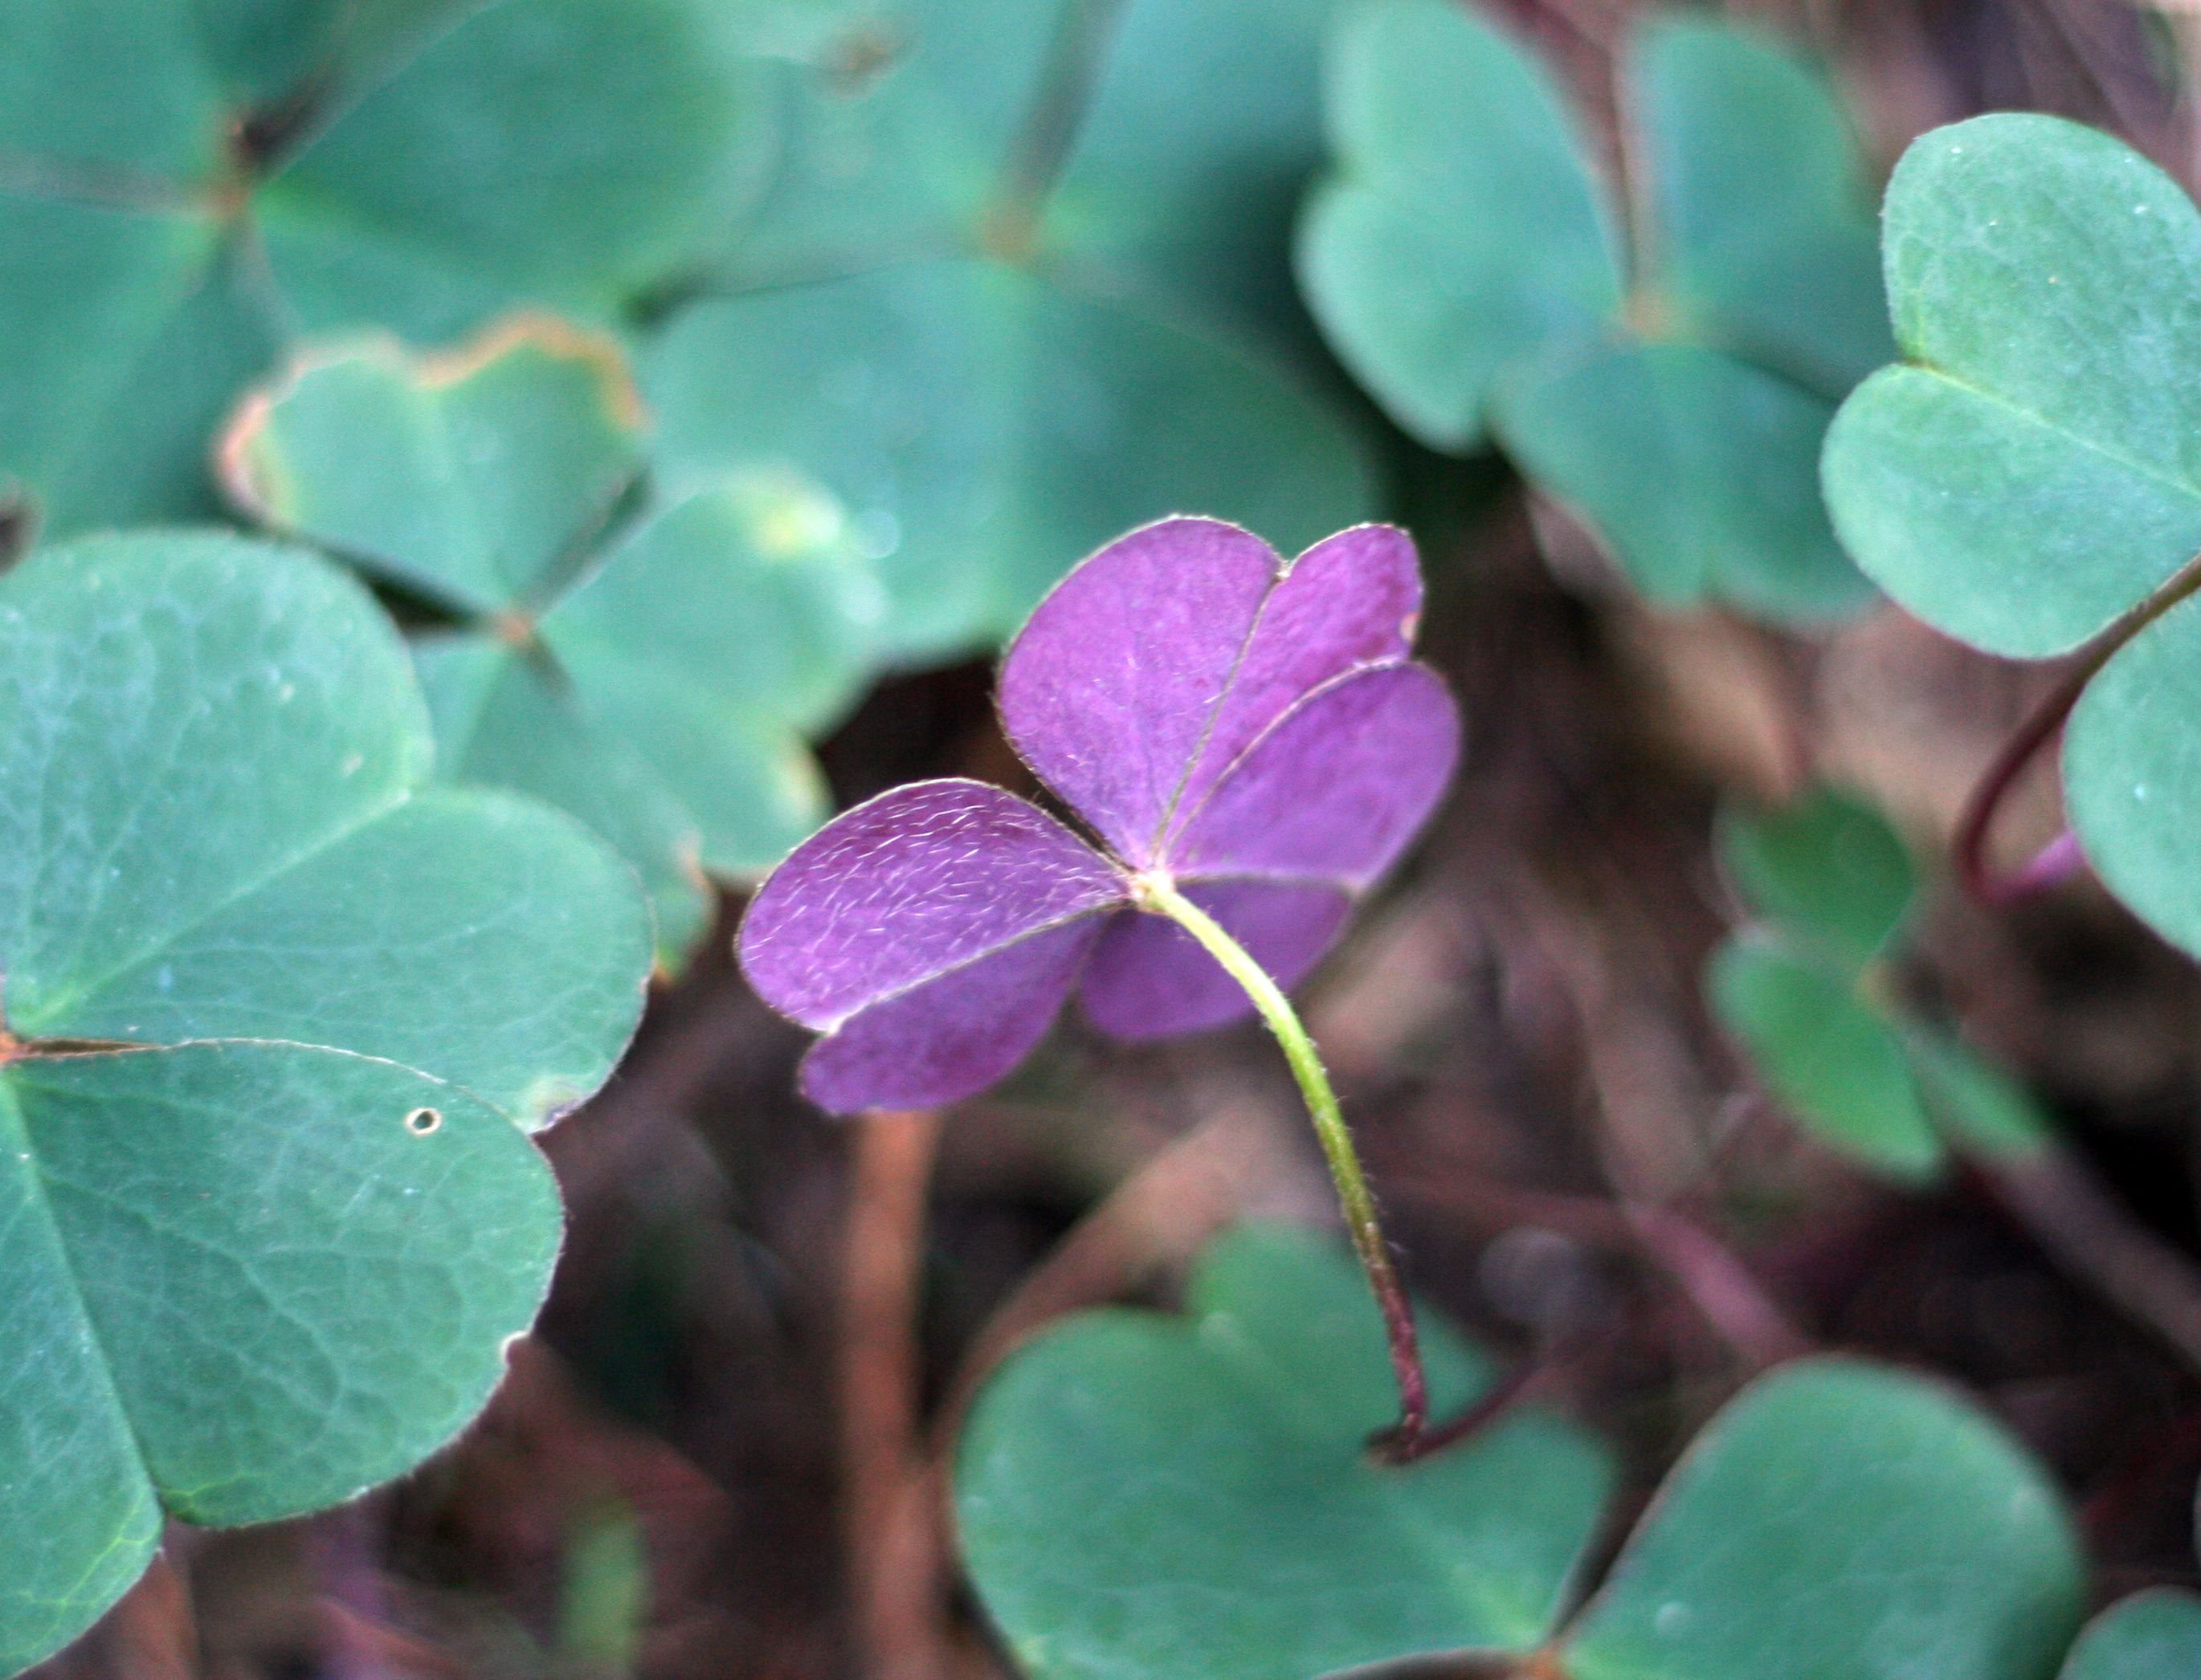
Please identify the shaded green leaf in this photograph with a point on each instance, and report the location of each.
(498, 722)
(1461, 231)
(1698, 470)
(271, 1012)
(1139, 1495)
(1980, 1106)
(2151, 1635)
(1460, 261)
(1840, 1522)
(1201, 130)
(452, 164)
(985, 430)
(1827, 867)
(1771, 247)
(657, 680)
(1838, 1064)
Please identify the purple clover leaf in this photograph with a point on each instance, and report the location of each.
(1244, 732)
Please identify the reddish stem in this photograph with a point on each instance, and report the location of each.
(2060, 858)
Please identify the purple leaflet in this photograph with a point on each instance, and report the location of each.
(1251, 729)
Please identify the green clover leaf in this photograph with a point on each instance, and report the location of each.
(1140, 1496)
(1464, 262)
(272, 1008)
(1804, 991)
(2022, 480)
(1013, 290)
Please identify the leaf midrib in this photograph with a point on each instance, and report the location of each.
(75, 997)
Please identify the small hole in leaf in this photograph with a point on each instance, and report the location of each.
(424, 1122)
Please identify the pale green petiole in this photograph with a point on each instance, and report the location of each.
(1156, 894)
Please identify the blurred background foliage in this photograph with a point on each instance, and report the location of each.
(889, 310)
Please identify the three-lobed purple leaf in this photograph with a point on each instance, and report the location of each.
(1249, 729)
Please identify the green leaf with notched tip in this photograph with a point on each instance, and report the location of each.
(185, 184)
(657, 680)
(272, 1010)
(2029, 474)
(467, 477)
(2151, 1635)
(1460, 232)
(1461, 258)
(1827, 867)
(1698, 470)
(1839, 1521)
(985, 429)
(1770, 248)
(1834, 1060)
(1140, 1496)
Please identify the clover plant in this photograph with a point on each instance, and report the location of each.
(278, 1016)
(1250, 746)
(1670, 379)
(2024, 479)
(655, 675)
(189, 184)
(1809, 989)
(1015, 288)
(1144, 1496)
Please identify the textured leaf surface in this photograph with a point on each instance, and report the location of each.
(1145, 675)
(1840, 1522)
(1141, 1495)
(932, 934)
(1834, 1061)
(984, 428)
(1827, 867)
(2029, 476)
(267, 1237)
(2151, 1635)
(2029, 473)
(1251, 731)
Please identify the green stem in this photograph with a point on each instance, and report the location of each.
(1407, 1438)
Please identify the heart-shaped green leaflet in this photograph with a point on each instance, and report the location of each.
(656, 683)
(1461, 260)
(272, 1008)
(440, 164)
(1142, 1496)
(2151, 1635)
(1834, 886)
(1838, 1521)
(2028, 474)
(1142, 1499)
